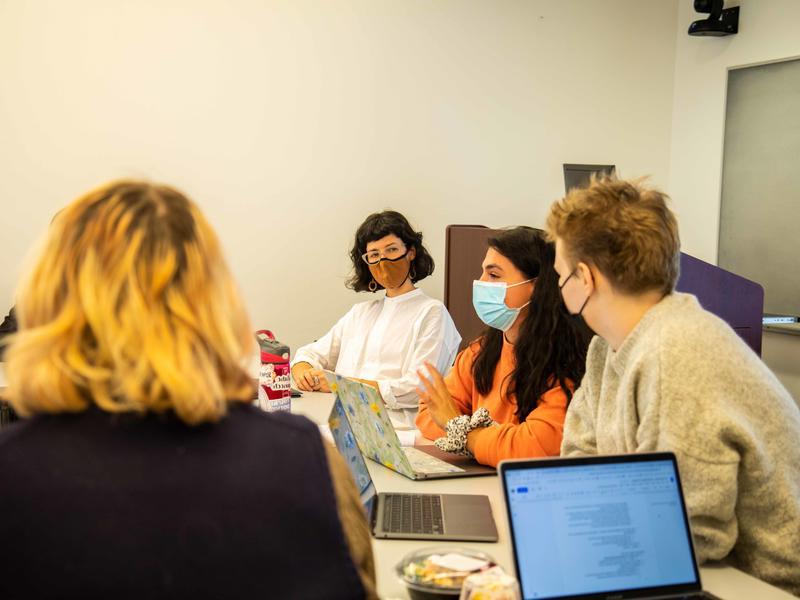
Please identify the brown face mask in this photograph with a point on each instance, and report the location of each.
(391, 273)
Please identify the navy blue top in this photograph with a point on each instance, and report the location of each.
(95, 505)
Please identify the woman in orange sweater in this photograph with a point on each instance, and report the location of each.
(508, 392)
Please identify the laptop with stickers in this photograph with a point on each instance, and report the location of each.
(378, 439)
(463, 517)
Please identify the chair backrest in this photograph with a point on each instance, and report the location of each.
(465, 248)
(736, 300)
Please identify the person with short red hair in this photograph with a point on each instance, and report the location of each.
(663, 374)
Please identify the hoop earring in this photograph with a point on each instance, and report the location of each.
(412, 274)
(373, 286)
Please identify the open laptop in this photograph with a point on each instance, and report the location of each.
(412, 516)
(378, 439)
(600, 527)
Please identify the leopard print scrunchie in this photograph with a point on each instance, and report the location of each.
(457, 429)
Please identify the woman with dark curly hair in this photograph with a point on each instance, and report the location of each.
(385, 341)
(507, 395)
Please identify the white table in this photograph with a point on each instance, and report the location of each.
(723, 581)
(726, 582)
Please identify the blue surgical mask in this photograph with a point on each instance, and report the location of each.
(489, 300)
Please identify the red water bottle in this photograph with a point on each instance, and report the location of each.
(274, 377)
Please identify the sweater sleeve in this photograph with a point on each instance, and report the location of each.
(708, 460)
(580, 434)
(580, 438)
(459, 384)
(540, 434)
(702, 424)
(354, 523)
(710, 490)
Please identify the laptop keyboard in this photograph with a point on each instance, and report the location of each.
(412, 513)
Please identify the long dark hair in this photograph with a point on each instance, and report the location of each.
(551, 347)
(377, 226)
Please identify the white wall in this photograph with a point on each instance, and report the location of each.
(290, 121)
(782, 353)
(769, 30)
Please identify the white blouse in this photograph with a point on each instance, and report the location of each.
(387, 340)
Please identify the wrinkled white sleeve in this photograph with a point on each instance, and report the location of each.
(437, 343)
(324, 353)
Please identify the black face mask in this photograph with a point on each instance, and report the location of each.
(578, 315)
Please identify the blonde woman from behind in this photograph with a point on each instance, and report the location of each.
(142, 470)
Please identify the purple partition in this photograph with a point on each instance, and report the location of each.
(734, 299)
(738, 301)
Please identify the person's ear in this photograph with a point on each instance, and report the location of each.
(412, 254)
(586, 277)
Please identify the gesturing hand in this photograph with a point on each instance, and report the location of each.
(434, 393)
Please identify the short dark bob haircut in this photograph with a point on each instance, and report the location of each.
(377, 226)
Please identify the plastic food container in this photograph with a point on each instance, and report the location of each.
(491, 584)
(435, 573)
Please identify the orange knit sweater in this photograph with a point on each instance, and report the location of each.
(539, 435)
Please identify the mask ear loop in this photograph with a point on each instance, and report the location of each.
(406, 278)
(521, 282)
(410, 274)
(585, 302)
(518, 309)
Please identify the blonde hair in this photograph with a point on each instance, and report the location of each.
(623, 228)
(130, 307)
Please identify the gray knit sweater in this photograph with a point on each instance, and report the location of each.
(684, 381)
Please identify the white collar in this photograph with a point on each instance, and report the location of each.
(403, 297)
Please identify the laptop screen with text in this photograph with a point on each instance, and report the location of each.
(586, 529)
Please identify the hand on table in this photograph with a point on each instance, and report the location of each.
(309, 379)
(434, 393)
